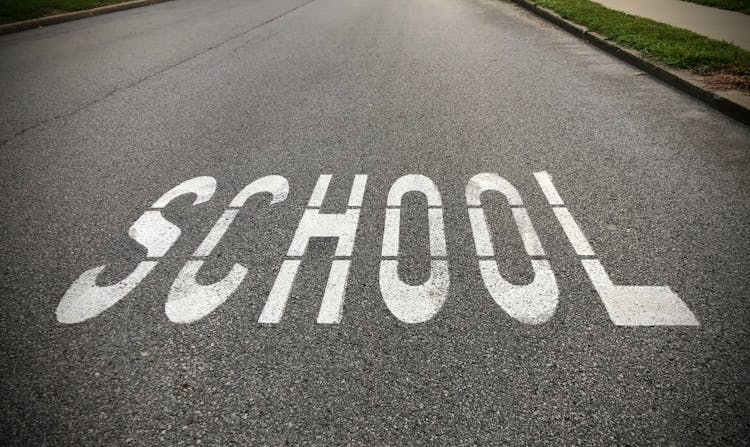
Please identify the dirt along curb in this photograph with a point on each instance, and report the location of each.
(733, 104)
(75, 15)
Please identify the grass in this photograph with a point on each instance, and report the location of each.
(742, 6)
(672, 46)
(17, 10)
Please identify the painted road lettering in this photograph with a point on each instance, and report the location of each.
(532, 303)
(626, 305)
(189, 301)
(414, 304)
(316, 224)
(85, 300)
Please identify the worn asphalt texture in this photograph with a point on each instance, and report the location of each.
(100, 117)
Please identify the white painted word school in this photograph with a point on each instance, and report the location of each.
(532, 303)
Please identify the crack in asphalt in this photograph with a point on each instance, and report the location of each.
(116, 90)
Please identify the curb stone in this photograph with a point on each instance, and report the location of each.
(75, 15)
(736, 107)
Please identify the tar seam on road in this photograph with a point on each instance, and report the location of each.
(87, 104)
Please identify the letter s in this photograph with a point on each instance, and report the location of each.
(85, 300)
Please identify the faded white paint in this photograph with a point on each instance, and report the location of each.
(315, 224)
(84, 299)
(545, 182)
(576, 237)
(626, 305)
(531, 242)
(414, 182)
(202, 187)
(638, 305)
(392, 233)
(491, 182)
(217, 232)
(414, 303)
(358, 191)
(155, 233)
(418, 303)
(482, 238)
(332, 306)
(275, 185)
(189, 301)
(319, 192)
(533, 303)
(276, 302)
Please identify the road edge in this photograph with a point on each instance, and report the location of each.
(676, 78)
(75, 15)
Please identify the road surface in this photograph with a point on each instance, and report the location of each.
(370, 222)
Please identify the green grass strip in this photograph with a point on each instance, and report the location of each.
(675, 47)
(742, 6)
(17, 10)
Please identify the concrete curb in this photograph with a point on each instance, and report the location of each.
(676, 78)
(68, 16)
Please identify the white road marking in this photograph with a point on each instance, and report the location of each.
(203, 188)
(419, 303)
(531, 242)
(625, 305)
(155, 233)
(437, 232)
(414, 304)
(545, 182)
(217, 232)
(482, 238)
(414, 182)
(576, 237)
(275, 185)
(391, 232)
(319, 192)
(282, 287)
(316, 224)
(332, 306)
(570, 227)
(638, 305)
(85, 300)
(358, 191)
(491, 182)
(189, 301)
(533, 303)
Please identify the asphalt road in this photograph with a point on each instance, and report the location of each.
(101, 117)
